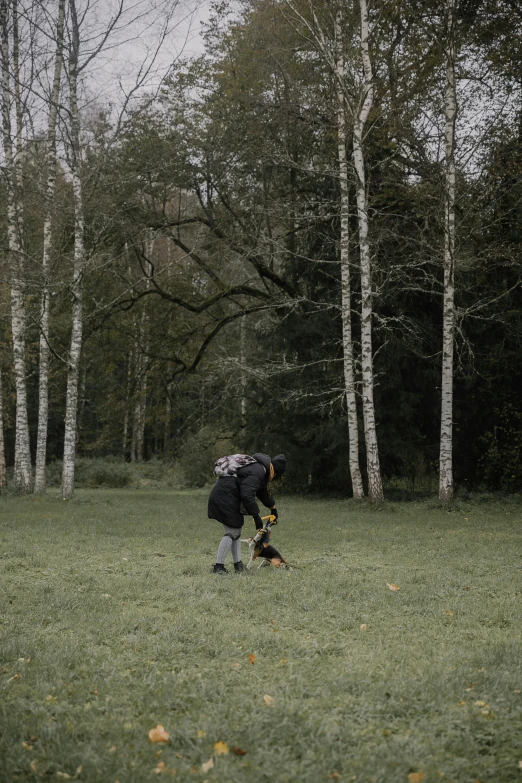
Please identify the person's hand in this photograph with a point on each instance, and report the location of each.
(274, 513)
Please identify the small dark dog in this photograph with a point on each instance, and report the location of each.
(263, 548)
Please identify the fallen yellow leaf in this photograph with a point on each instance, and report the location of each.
(462, 703)
(416, 777)
(364, 627)
(63, 776)
(158, 734)
(207, 765)
(448, 611)
(251, 658)
(221, 748)
(34, 765)
(479, 703)
(269, 700)
(161, 767)
(282, 661)
(27, 746)
(238, 751)
(201, 734)
(392, 586)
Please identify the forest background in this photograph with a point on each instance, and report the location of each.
(306, 239)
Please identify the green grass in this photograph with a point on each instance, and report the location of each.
(111, 622)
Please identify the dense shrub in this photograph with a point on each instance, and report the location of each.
(99, 472)
(115, 472)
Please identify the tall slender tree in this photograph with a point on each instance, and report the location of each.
(50, 187)
(22, 481)
(361, 114)
(346, 305)
(448, 324)
(76, 287)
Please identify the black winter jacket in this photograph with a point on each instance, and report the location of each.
(233, 497)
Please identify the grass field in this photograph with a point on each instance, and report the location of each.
(111, 623)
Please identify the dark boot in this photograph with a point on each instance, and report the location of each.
(238, 567)
(219, 568)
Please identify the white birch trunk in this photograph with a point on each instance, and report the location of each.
(81, 405)
(346, 309)
(375, 491)
(22, 480)
(43, 385)
(71, 406)
(3, 482)
(18, 159)
(448, 323)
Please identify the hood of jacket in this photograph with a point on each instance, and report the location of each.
(264, 460)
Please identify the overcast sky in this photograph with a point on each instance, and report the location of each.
(114, 70)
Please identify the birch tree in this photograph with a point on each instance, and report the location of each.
(76, 287)
(104, 36)
(359, 99)
(43, 387)
(22, 480)
(362, 111)
(448, 324)
(346, 306)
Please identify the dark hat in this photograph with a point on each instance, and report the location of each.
(279, 463)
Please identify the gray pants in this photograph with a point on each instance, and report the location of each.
(230, 541)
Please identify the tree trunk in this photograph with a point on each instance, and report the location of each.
(125, 436)
(448, 323)
(346, 313)
(22, 480)
(71, 406)
(43, 385)
(3, 482)
(375, 491)
(142, 347)
(168, 420)
(242, 377)
(19, 147)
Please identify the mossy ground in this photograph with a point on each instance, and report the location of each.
(112, 622)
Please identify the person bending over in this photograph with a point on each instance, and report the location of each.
(234, 497)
